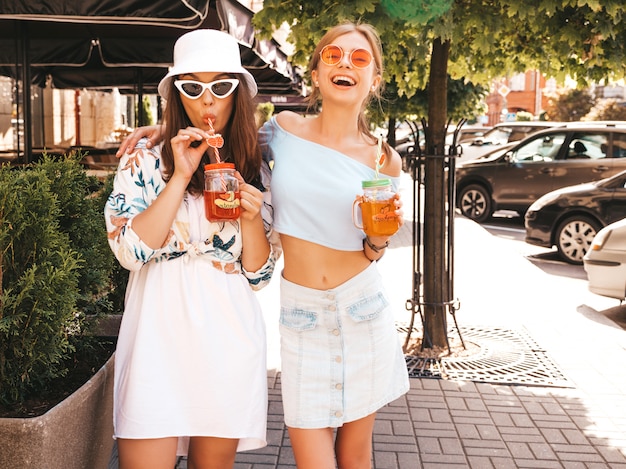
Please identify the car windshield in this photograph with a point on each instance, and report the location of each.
(497, 134)
(543, 148)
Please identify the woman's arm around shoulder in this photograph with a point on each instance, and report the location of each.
(154, 134)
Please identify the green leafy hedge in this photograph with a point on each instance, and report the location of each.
(56, 268)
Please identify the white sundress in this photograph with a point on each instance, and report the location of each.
(191, 352)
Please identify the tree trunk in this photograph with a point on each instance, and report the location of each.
(391, 132)
(436, 294)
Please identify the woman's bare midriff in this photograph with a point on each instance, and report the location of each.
(314, 266)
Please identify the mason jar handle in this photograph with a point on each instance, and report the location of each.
(357, 202)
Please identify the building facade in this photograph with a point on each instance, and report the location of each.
(524, 92)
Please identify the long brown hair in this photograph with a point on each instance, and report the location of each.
(240, 137)
(372, 37)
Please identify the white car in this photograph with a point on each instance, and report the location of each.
(605, 262)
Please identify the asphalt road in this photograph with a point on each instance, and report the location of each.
(509, 227)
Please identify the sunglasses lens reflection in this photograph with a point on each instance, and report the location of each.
(331, 55)
(221, 88)
(191, 89)
(360, 58)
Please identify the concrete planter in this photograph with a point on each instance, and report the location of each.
(75, 434)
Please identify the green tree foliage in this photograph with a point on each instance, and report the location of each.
(146, 109)
(580, 38)
(55, 265)
(570, 106)
(464, 101)
(264, 112)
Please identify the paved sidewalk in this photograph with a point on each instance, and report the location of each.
(447, 423)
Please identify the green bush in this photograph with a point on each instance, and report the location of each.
(264, 112)
(56, 267)
(523, 116)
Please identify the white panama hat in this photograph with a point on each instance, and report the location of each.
(206, 50)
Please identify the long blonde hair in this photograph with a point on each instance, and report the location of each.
(372, 37)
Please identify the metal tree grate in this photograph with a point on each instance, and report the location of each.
(505, 357)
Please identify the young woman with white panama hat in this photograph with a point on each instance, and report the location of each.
(190, 368)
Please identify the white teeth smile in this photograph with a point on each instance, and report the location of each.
(343, 80)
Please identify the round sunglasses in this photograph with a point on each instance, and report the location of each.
(332, 55)
(219, 88)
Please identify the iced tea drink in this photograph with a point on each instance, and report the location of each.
(378, 209)
(221, 192)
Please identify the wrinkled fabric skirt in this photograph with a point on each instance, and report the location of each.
(191, 356)
(341, 357)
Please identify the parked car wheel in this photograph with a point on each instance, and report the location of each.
(475, 202)
(574, 236)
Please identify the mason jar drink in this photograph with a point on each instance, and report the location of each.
(378, 209)
(221, 192)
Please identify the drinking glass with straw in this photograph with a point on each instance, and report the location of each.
(377, 204)
(221, 187)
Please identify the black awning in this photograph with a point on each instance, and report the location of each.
(177, 13)
(128, 43)
(125, 44)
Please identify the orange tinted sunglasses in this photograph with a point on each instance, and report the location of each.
(332, 55)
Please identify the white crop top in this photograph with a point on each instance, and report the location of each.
(313, 188)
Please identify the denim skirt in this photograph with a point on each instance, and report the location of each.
(341, 358)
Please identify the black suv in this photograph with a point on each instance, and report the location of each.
(513, 178)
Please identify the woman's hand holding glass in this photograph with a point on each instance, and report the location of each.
(251, 200)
